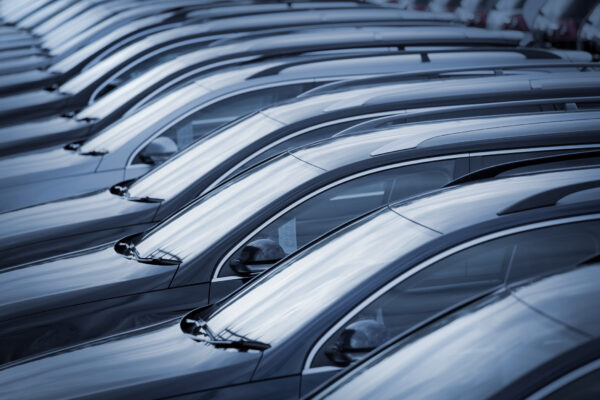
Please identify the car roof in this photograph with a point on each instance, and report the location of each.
(458, 207)
(454, 135)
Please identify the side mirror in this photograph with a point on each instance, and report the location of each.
(159, 150)
(256, 256)
(356, 340)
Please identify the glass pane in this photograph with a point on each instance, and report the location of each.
(217, 115)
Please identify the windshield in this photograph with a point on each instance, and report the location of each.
(81, 81)
(471, 354)
(214, 216)
(124, 130)
(155, 76)
(284, 300)
(82, 54)
(168, 108)
(201, 158)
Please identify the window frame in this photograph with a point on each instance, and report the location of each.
(318, 345)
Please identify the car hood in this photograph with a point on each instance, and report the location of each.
(94, 274)
(160, 361)
(70, 224)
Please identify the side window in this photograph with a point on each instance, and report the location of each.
(216, 115)
(458, 277)
(338, 205)
(586, 387)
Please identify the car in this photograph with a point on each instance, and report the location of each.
(247, 224)
(161, 37)
(111, 21)
(13, 11)
(372, 279)
(545, 345)
(558, 21)
(507, 14)
(589, 34)
(475, 12)
(65, 172)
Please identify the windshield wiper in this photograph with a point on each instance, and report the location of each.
(94, 153)
(122, 189)
(76, 146)
(201, 328)
(130, 251)
(145, 199)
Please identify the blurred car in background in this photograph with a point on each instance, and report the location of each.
(589, 34)
(558, 21)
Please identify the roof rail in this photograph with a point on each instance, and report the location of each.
(436, 73)
(528, 52)
(401, 117)
(549, 197)
(494, 171)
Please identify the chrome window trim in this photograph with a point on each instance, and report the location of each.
(565, 380)
(440, 256)
(216, 277)
(207, 104)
